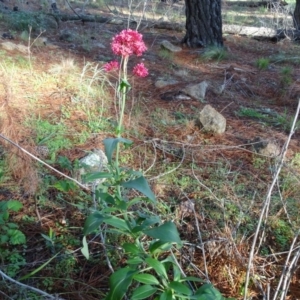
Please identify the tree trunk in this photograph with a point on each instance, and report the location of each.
(297, 15)
(203, 23)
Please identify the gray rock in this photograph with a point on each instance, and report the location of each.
(174, 96)
(163, 83)
(92, 163)
(211, 120)
(40, 42)
(197, 91)
(100, 45)
(169, 46)
(182, 73)
(266, 147)
(115, 22)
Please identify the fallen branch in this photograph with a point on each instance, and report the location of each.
(50, 297)
(42, 162)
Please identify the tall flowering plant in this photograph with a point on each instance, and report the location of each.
(125, 44)
(115, 211)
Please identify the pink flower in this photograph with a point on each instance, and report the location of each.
(128, 42)
(140, 70)
(113, 65)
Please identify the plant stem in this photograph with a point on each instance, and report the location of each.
(122, 95)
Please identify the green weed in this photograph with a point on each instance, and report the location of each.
(286, 76)
(269, 117)
(166, 54)
(262, 63)
(51, 135)
(21, 21)
(9, 232)
(215, 53)
(282, 233)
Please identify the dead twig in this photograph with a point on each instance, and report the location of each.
(48, 296)
(42, 162)
(268, 200)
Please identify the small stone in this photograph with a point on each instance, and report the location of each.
(197, 91)
(169, 46)
(40, 42)
(42, 151)
(100, 45)
(186, 208)
(266, 147)
(212, 120)
(163, 83)
(92, 163)
(116, 22)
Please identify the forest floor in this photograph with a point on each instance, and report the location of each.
(46, 101)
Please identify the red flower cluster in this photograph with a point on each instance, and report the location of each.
(113, 65)
(140, 70)
(128, 42)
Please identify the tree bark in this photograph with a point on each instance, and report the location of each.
(297, 15)
(203, 23)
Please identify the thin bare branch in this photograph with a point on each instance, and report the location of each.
(42, 162)
(50, 297)
(267, 201)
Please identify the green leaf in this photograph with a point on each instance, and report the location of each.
(105, 197)
(14, 205)
(166, 295)
(176, 272)
(92, 222)
(119, 283)
(208, 291)
(46, 237)
(180, 288)
(149, 220)
(143, 292)
(3, 206)
(12, 225)
(159, 246)
(191, 278)
(167, 232)
(16, 237)
(96, 175)
(157, 266)
(39, 268)
(131, 248)
(140, 184)
(5, 215)
(65, 185)
(3, 239)
(146, 279)
(135, 261)
(124, 84)
(117, 223)
(145, 222)
(85, 249)
(110, 145)
(205, 297)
